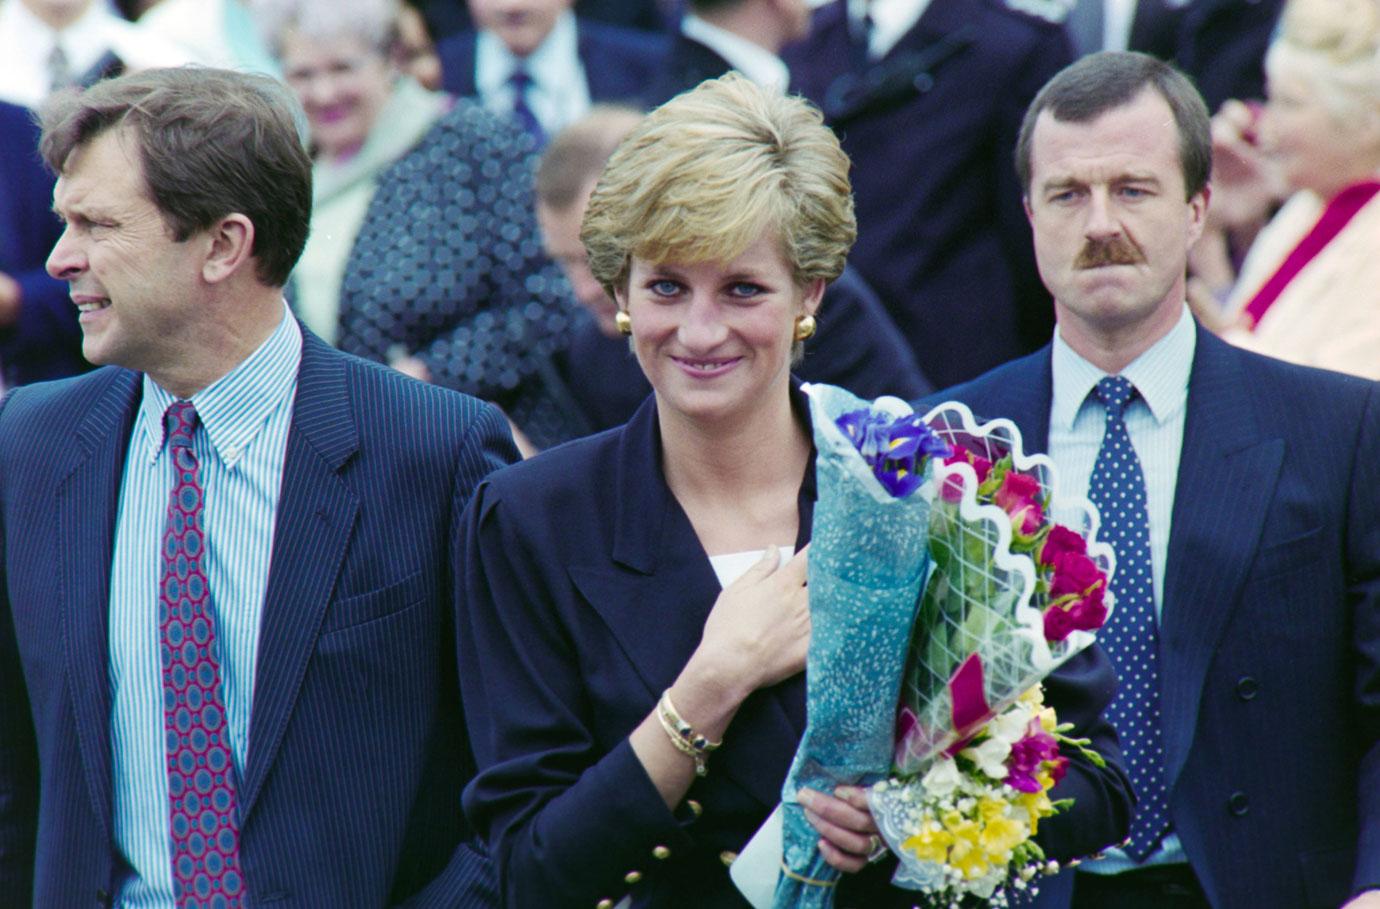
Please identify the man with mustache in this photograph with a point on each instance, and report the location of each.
(1239, 494)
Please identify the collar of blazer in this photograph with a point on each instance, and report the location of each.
(660, 578)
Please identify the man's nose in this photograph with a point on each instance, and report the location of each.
(1101, 222)
(67, 260)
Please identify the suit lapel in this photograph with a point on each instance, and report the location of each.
(655, 598)
(316, 516)
(1227, 477)
(92, 486)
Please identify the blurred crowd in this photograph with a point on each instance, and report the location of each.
(455, 146)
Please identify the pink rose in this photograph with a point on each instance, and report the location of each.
(1059, 541)
(1019, 497)
(1076, 596)
(1074, 575)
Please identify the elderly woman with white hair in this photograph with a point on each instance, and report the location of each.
(424, 251)
(1306, 289)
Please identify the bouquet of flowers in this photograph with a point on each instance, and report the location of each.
(869, 559)
(939, 534)
(1013, 595)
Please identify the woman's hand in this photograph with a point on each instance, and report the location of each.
(758, 631)
(848, 834)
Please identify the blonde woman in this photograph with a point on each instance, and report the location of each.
(654, 575)
(1306, 289)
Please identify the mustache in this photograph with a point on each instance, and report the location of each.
(1115, 250)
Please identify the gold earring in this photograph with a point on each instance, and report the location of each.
(623, 321)
(805, 327)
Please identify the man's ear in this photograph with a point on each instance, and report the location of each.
(1025, 203)
(1197, 213)
(231, 248)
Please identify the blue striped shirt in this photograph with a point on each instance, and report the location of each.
(1155, 422)
(240, 447)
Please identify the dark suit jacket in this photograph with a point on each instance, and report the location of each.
(1270, 633)
(587, 593)
(1221, 44)
(687, 64)
(45, 342)
(357, 750)
(618, 61)
(931, 129)
(857, 347)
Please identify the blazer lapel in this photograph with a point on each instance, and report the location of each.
(1227, 477)
(655, 597)
(317, 511)
(92, 487)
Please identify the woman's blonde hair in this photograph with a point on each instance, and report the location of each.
(708, 173)
(1335, 46)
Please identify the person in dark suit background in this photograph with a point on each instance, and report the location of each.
(227, 664)
(856, 347)
(715, 36)
(927, 97)
(665, 582)
(39, 336)
(1252, 725)
(538, 62)
(1219, 44)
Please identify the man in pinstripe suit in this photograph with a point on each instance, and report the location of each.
(227, 584)
(1256, 749)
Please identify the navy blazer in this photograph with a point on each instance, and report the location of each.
(1270, 632)
(586, 593)
(45, 342)
(619, 62)
(857, 347)
(357, 750)
(930, 129)
(687, 63)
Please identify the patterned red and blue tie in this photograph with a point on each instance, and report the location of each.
(201, 774)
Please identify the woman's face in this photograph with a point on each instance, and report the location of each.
(715, 338)
(1314, 151)
(342, 83)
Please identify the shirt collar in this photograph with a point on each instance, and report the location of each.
(890, 21)
(752, 60)
(547, 66)
(1160, 375)
(236, 406)
(83, 41)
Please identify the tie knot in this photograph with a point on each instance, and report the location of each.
(180, 422)
(520, 80)
(1115, 392)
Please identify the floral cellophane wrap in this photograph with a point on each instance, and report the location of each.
(979, 638)
(869, 557)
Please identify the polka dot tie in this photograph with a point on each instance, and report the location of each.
(201, 775)
(1130, 637)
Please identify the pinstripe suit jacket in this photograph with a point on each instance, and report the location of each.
(357, 751)
(1270, 633)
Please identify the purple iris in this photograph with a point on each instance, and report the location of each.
(895, 447)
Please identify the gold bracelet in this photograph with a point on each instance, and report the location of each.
(682, 735)
(803, 879)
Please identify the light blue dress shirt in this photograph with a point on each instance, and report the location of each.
(559, 93)
(1155, 421)
(240, 447)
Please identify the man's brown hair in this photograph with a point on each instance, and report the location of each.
(212, 142)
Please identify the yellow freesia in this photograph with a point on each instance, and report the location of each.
(1034, 698)
(1002, 834)
(1037, 805)
(931, 844)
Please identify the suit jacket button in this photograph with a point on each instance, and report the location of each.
(1238, 804)
(632, 877)
(728, 857)
(604, 904)
(102, 898)
(661, 852)
(1247, 688)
